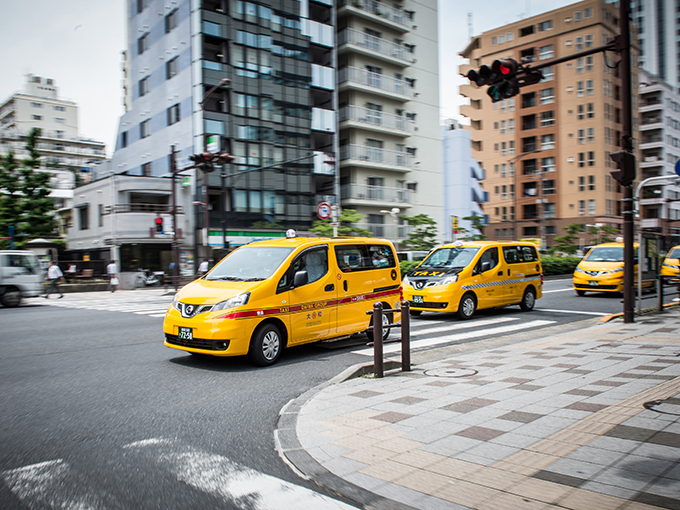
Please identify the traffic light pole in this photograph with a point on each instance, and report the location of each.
(627, 143)
(175, 250)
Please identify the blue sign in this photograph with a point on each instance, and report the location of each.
(677, 167)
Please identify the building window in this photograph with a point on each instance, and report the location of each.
(173, 114)
(143, 44)
(146, 169)
(548, 164)
(101, 214)
(36, 105)
(591, 158)
(581, 159)
(590, 87)
(547, 118)
(578, 15)
(171, 68)
(547, 142)
(171, 21)
(548, 187)
(528, 100)
(591, 135)
(581, 183)
(547, 96)
(60, 120)
(545, 25)
(145, 128)
(528, 121)
(550, 229)
(588, 13)
(59, 133)
(591, 207)
(511, 147)
(546, 52)
(581, 136)
(591, 183)
(141, 5)
(579, 66)
(60, 108)
(511, 125)
(36, 117)
(589, 64)
(578, 42)
(591, 110)
(581, 112)
(83, 215)
(549, 210)
(581, 207)
(123, 139)
(589, 40)
(548, 73)
(143, 86)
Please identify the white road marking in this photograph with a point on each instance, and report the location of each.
(599, 314)
(390, 348)
(558, 290)
(461, 325)
(239, 485)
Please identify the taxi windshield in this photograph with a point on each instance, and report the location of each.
(450, 257)
(610, 254)
(249, 264)
(674, 254)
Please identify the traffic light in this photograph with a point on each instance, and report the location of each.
(626, 163)
(504, 77)
(223, 158)
(159, 225)
(204, 161)
(485, 76)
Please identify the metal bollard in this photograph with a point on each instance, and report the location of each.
(659, 287)
(377, 339)
(405, 337)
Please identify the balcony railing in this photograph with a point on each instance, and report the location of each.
(376, 118)
(141, 208)
(386, 230)
(376, 155)
(375, 80)
(376, 193)
(379, 9)
(370, 42)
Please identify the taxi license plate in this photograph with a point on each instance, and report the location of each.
(418, 299)
(185, 334)
(593, 284)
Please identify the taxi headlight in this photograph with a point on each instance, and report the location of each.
(406, 281)
(670, 266)
(175, 302)
(614, 271)
(579, 270)
(239, 300)
(449, 279)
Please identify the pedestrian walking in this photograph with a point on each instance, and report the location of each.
(202, 268)
(54, 274)
(112, 271)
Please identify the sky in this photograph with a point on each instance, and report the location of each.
(79, 44)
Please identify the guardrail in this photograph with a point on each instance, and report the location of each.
(665, 287)
(377, 329)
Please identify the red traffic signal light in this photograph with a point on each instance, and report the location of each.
(159, 224)
(505, 67)
(626, 162)
(203, 161)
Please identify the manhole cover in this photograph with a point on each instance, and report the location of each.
(451, 372)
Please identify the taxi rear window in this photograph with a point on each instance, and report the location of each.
(518, 254)
(364, 257)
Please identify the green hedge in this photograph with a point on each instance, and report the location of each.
(559, 265)
(406, 267)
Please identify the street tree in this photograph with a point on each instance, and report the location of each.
(478, 225)
(24, 195)
(603, 233)
(567, 243)
(423, 235)
(348, 217)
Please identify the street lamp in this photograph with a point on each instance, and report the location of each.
(394, 212)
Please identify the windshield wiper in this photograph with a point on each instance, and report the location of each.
(229, 278)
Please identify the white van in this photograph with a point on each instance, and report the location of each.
(20, 276)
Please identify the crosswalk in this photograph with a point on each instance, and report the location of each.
(58, 483)
(151, 305)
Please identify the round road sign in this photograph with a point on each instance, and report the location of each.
(323, 210)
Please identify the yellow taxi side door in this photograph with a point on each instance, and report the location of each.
(354, 284)
(312, 304)
(488, 288)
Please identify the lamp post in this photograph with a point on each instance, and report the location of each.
(394, 212)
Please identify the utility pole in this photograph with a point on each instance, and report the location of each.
(175, 250)
(627, 144)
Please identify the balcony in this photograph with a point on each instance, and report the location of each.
(376, 196)
(323, 77)
(386, 230)
(323, 120)
(378, 12)
(374, 157)
(319, 33)
(375, 83)
(374, 47)
(374, 120)
(141, 208)
(651, 122)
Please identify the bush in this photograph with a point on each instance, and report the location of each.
(407, 266)
(559, 265)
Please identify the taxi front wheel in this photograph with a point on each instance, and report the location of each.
(266, 345)
(467, 306)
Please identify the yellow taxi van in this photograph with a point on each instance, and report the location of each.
(601, 270)
(463, 277)
(671, 264)
(268, 295)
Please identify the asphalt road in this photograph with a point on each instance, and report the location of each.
(108, 414)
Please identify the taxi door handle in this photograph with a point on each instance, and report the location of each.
(500, 273)
(344, 285)
(508, 272)
(329, 287)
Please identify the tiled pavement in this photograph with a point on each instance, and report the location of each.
(588, 419)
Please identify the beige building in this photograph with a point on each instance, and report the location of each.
(390, 139)
(546, 150)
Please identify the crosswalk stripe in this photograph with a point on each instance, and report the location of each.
(576, 312)
(460, 325)
(429, 342)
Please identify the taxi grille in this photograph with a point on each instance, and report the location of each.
(593, 287)
(427, 304)
(198, 343)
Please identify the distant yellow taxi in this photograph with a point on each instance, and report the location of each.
(268, 295)
(671, 265)
(601, 270)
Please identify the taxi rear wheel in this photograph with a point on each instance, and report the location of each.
(415, 313)
(265, 346)
(528, 300)
(467, 306)
(386, 320)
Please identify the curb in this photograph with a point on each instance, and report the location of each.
(304, 465)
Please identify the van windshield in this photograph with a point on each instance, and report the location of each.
(450, 257)
(675, 254)
(610, 254)
(249, 264)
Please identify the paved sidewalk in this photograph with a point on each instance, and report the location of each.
(583, 420)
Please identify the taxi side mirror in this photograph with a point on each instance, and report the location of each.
(301, 278)
(486, 266)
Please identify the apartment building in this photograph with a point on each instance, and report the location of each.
(60, 145)
(546, 150)
(462, 183)
(390, 139)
